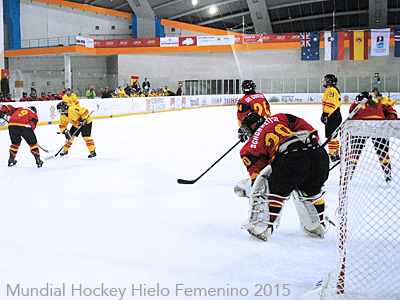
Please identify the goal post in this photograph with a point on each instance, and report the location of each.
(368, 232)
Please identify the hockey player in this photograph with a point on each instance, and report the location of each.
(81, 122)
(372, 110)
(384, 100)
(282, 155)
(331, 116)
(251, 102)
(21, 124)
(70, 98)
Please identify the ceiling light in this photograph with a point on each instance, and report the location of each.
(194, 2)
(213, 10)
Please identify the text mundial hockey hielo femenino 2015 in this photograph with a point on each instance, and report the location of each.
(147, 290)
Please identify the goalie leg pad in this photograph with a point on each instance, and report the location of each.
(311, 212)
(265, 212)
(242, 188)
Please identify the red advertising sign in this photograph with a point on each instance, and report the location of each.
(188, 41)
(252, 39)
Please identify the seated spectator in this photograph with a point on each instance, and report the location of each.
(64, 91)
(49, 97)
(42, 97)
(56, 97)
(8, 98)
(91, 94)
(121, 93)
(128, 89)
(166, 91)
(107, 93)
(24, 97)
(32, 97)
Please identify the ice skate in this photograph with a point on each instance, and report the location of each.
(11, 160)
(92, 154)
(39, 162)
(63, 153)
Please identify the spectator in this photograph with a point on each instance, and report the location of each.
(121, 93)
(57, 97)
(5, 85)
(8, 98)
(107, 93)
(91, 94)
(1, 97)
(146, 86)
(64, 91)
(49, 97)
(136, 86)
(42, 97)
(179, 90)
(34, 92)
(101, 93)
(24, 97)
(32, 97)
(70, 98)
(128, 90)
(166, 91)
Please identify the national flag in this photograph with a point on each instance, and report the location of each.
(380, 39)
(334, 45)
(397, 42)
(358, 45)
(309, 45)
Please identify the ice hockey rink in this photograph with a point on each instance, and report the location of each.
(122, 225)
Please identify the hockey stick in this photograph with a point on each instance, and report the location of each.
(351, 115)
(55, 155)
(183, 181)
(47, 151)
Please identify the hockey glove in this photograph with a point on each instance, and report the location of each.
(242, 136)
(324, 118)
(67, 134)
(2, 114)
(83, 122)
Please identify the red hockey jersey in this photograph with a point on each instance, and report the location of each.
(256, 103)
(261, 148)
(20, 116)
(369, 112)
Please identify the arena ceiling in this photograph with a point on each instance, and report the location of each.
(265, 16)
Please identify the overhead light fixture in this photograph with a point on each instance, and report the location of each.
(194, 2)
(213, 10)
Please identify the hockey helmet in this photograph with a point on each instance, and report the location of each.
(330, 79)
(62, 106)
(248, 87)
(251, 122)
(32, 108)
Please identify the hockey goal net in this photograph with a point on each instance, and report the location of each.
(368, 230)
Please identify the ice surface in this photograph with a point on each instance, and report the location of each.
(123, 221)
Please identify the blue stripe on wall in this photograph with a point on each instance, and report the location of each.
(12, 21)
(134, 27)
(159, 29)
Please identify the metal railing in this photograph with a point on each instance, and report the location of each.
(49, 42)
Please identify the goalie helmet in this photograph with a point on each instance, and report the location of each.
(32, 108)
(62, 106)
(361, 96)
(330, 79)
(248, 87)
(251, 122)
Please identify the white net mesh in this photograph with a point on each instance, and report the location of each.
(368, 264)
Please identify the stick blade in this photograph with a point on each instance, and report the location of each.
(183, 181)
(49, 157)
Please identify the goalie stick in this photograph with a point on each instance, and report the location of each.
(55, 155)
(47, 151)
(351, 115)
(183, 181)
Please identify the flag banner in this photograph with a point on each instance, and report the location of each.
(380, 39)
(334, 45)
(309, 45)
(358, 45)
(397, 42)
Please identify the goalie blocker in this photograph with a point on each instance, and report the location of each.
(290, 160)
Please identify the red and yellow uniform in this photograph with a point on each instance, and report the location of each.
(75, 115)
(381, 145)
(21, 124)
(121, 93)
(256, 103)
(331, 101)
(261, 148)
(71, 99)
(385, 101)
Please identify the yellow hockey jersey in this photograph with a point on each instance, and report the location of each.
(385, 101)
(74, 116)
(71, 100)
(331, 100)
